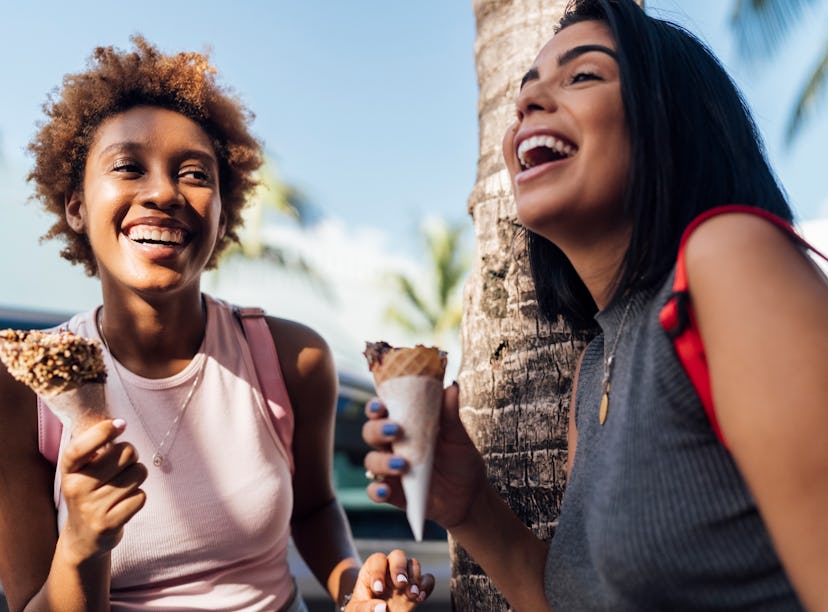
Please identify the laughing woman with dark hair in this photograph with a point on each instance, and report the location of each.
(698, 474)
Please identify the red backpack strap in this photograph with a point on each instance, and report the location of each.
(677, 317)
(269, 373)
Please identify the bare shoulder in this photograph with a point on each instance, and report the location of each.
(306, 360)
(302, 351)
(746, 248)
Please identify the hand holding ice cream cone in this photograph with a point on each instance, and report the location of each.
(65, 369)
(409, 380)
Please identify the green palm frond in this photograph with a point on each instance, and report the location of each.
(809, 98)
(275, 195)
(762, 25)
(439, 309)
(413, 299)
(404, 320)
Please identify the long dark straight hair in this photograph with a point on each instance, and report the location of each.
(694, 146)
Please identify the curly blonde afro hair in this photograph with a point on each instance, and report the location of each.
(114, 82)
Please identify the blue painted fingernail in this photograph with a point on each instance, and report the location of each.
(390, 429)
(396, 463)
(374, 405)
(381, 492)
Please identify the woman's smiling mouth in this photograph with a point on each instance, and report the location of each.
(543, 148)
(155, 235)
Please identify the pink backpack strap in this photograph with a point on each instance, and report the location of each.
(269, 373)
(679, 321)
(49, 430)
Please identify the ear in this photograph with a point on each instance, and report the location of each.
(75, 212)
(222, 228)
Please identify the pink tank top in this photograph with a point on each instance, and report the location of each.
(215, 529)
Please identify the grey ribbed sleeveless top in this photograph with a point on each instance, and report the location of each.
(656, 515)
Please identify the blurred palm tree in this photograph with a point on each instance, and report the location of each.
(437, 310)
(760, 27)
(275, 201)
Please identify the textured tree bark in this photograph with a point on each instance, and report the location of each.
(516, 373)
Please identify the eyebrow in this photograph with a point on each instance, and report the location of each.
(133, 147)
(567, 56)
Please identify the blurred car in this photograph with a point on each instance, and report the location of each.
(376, 528)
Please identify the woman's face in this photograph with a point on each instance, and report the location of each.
(150, 203)
(568, 153)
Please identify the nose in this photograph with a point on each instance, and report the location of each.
(161, 191)
(535, 97)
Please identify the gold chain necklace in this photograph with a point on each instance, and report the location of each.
(159, 456)
(608, 363)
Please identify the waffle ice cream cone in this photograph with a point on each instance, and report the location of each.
(409, 380)
(65, 369)
(401, 361)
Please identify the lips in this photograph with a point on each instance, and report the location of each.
(154, 232)
(543, 148)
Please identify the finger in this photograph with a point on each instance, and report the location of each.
(106, 493)
(387, 492)
(371, 578)
(128, 480)
(385, 464)
(375, 409)
(414, 578)
(111, 460)
(83, 448)
(427, 583)
(127, 507)
(451, 427)
(398, 569)
(372, 605)
(380, 433)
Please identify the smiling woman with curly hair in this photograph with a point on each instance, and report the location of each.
(116, 81)
(147, 162)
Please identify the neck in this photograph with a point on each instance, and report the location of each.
(150, 339)
(595, 247)
(599, 266)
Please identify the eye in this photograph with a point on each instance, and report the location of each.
(580, 77)
(196, 174)
(126, 165)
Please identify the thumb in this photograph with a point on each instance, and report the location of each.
(451, 427)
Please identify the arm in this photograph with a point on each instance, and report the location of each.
(762, 310)
(39, 570)
(462, 500)
(310, 377)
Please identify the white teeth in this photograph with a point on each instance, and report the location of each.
(156, 234)
(549, 142)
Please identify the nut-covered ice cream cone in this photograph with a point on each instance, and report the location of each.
(80, 408)
(410, 383)
(65, 369)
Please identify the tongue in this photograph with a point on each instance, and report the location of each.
(542, 155)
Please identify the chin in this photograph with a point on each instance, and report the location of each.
(540, 217)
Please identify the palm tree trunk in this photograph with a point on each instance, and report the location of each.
(516, 372)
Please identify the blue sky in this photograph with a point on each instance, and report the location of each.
(368, 106)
